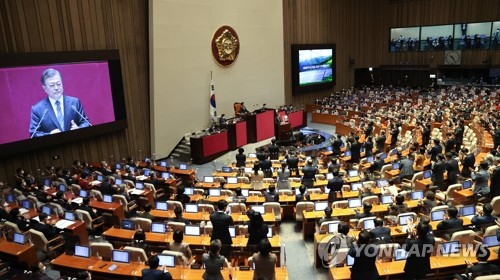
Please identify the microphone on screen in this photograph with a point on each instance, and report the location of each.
(39, 122)
(74, 109)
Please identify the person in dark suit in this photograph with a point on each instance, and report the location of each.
(368, 145)
(399, 207)
(44, 227)
(394, 135)
(265, 166)
(57, 112)
(380, 141)
(273, 150)
(481, 268)
(241, 158)
(257, 231)
(271, 195)
(459, 136)
(481, 179)
(293, 164)
(452, 169)
(153, 273)
(364, 255)
(355, 151)
(261, 154)
(367, 208)
(419, 250)
(406, 168)
(181, 196)
(221, 222)
(449, 145)
(438, 170)
(178, 216)
(435, 150)
(468, 161)
(377, 164)
(451, 222)
(85, 207)
(309, 172)
(328, 216)
(334, 185)
(428, 203)
(147, 212)
(495, 182)
(380, 234)
(426, 134)
(302, 196)
(106, 187)
(336, 146)
(483, 216)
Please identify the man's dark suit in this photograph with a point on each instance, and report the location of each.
(364, 263)
(377, 165)
(381, 234)
(434, 151)
(293, 164)
(355, 152)
(454, 223)
(394, 137)
(336, 147)
(274, 151)
(449, 146)
(48, 231)
(453, 170)
(154, 274)
(50, 122)
(467, 162)
(495, 182)
(265, 166)
(221, 222)
(241, 160)
(482, 268)
(380, 142)
(438, 170)
(483, 220)
(89, 210)
(308, 176)
(418, 263)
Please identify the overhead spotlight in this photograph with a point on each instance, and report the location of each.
(370, 69)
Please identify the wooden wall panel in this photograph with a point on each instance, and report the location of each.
(360, 29)
(68, 25)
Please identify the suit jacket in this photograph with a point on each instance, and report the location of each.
(154, 274)
(380, 142)
(309, 172)
(89, 210)
(434, 151)
(355, 152)
(394, 136)
(368, 148)
(241, 160)
(495, 182)
(482, 268)
(292, 162)
(467, 162)
(438, 170)
(406, 168)
(47, 230)
(221, 222)
(418, 262)
(454, 223)
(364, 264)
(337, 146)
(49, 121)
(481, 182)
(381, 233)
(453, 170)
(483, 220)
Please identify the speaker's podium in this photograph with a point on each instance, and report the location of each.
(284, 132)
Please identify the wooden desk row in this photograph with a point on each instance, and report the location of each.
(200, 216)
(100, 269)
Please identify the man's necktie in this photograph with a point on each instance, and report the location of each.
(59, 115)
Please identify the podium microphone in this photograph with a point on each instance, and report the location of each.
(74, 108)
(39, 122)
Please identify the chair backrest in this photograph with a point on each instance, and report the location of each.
(268, 180)
(406, 214)
(340, 204)
(386, 251)
(313, 190)
(121, 199)
(495, 202)
(136, 253)
(86, 218)
(346, 188)
(226, 192)
(361, 222)
(198, 191)
(294, 179)
(273, 207)
(60, 210)
(340, 257)
(255, 193)
(34, 201)
(179, 256)
(129, 183)
(208, 208)
(142, 223)
(439, 208)
(491, 230)
(488, 277)
(151, 188)
(39, 240)
(176, 225)
(237, 207)
(208, 228)
(385, 168)
(243, 179)
(172, 204)
(103, 249)
(463, 236)
(323, 228)
(373, 199)
(320, 177)
(96, 193)
(75, 188)
(452, 188)
(285, 192)
(13, 227)
(300, 207)
(417, 176)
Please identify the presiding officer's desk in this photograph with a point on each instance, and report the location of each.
(441, 266)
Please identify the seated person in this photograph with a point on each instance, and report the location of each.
(428, 203)
(152, 273)
(239, 197)
(62, 201)
(85, 207)
(19, 220)
(481, 268)
(37, 271)
(380, 234)
(122, 190)
(483, 216)
(44, 227)
(328, 216)
(178, 246)
(302, 196)
(178, 216)
(367, 207)
(345, 239)
(271, 195)
(451, 221)
(146, 213)
(181, 196)
(377, 164)
(264, 261)
(365, 192)
(398, 207)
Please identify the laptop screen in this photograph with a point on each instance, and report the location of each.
(19, 238)
(466, 184)
(191, 208)
(139, 186)
(394, 152)
(259, 208)
(245, 192)
(387, 199)
(347, 153)
(451, 247)
(146, 172)
(227, 169)
(132, 169)
(270, 232)
(417, 195)
(232, 180)
(46, 182)
(403, 219)
(161, 205)
(208, 179)
(82, 251)
(118, 181)
(214, 192)
(128, 224)
(400, 254)
(158, 227)
(10, 198)
(369, 159)
(353, 173)
(490, 241)
(192, 230)
(46, 209)
(121, 256)
(25, 204)
(349, 261)
(320, 205)
(189, 191)
(165, 175)
(107, 198)
(252, 155)
(395, 166)
(383, 156)
(166, 260)
(369, 224)
(163, 163)
(183, 166)
(62, 188)
(70, 216)
(437, 215)
(100, 178)
(427, 174)
(329, 176)
(355, 202)
(248, 170)
(333, 227)
(118, 166)
(468, 210)
(232, 231)
(83, 193)
(356, 186)
(382, 183)
(327, 190)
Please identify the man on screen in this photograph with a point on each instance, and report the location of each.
(56, 113)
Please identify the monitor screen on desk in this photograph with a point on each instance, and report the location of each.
(362, 150)
(128, 224)
(100, 178)
(394, 152)
(191, 207)
(118, 166)
(139, 186)
(349, 261)
(214, 192)
(245, 192)
(403, 219)
(10, 198)
(347, 153)
(232, 180)
(226, 169)
(395, 166)
(490, 241)
(46, 210)
(161, 205)
(416, 195)
(326, 190)
(163, 163)
(192, 230)
(333, 227)
(82, 251)
(353, 173)
(248, 170)
(427, 174)
(70, 216)
(83, 193)
(329, 176)
(165, 175)
(437, 215)
(382, 183)
(387, 199)
(467, 184)
(297, 191)
(62, 188)
(132, 169)
(369, 224)
(400, 254)
(269, 231)
(369, 159)
(25, 204)
(468, 210)
(259, 208)
(166, 260)
(252, 155)
(46, 182)
(320, 205)
(146, 172)
(19, 238)
(107, 198)
(232, 231)
(158, 227)
(451, 247)
(356, 186)
(118, 181)
(355, 202)
(189, 191)
(121, 256)
(383, 156)
(183, 166)
(208, 179)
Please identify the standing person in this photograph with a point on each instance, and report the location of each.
(406, 168)
(394, 135)
(459, 136)
(293, 164)
(438, 170)
(214, 262)
(57, 112)
(481, 179)
(153, 273)
(355, 151)
(241, 158)
(365, 255)
(380, 141)
(435, 150)
(449, 145)
(283, 175)
(221, 222)
(309, 173)
(426, 134)
(368, 145)
(273, 150)
(337, 146)
(257, 177)
(419, 248)
(495, 180)
(452, 168)
(334, 185)
(265, 262)
(257, 231)
(468, 161)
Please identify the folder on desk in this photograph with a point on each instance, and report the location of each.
(62, 224)
(136, 192)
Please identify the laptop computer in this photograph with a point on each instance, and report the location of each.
(165, 175)
(427, 174)
(232, 180)
(369, 159)
(46, 210)
(83, 193)
(353, 173)
(248, 170)
(70, 216)
(128, 224)
(100, 178)
(468, 211)
(403, 219)
(26, 204)
(400, 254)
(10, 198)
(118, 166)
(120, 256)
(383, 156)
(333, 227)
(163, 163)
(82, 251)
(347, 153)
(326, 190)
(369, 224)
(227, 169)
(146, 172)
(107, 198)
(161, 205)
(46, 182)
(62, 188)
(490, 241)
(192, 230)
(356, 186)
(349, 261)
(232, 231)
(208, 179)
(270, 231)
(451, 247)
(118, 181)
(245, 192)
(252, 155)
(183, 166)
(382, 183)
(166, 260)
(467, 184)
(189, 191)
(158, 228)
(139, 186)
(395, 166)
(320, 205)
(354, 203)
(191, 207)
(387, 199)
(19, 238)
(438, 215)
(394, 152)
(259, 208)
(329, 176)
(416, 195)
(214, 192)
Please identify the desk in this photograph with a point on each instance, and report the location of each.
(260, 126)
(69, 264)
(423, 184)
(18, 253)
(115, 208)
(209, 147)
(297, 119)
(237, 135)
(463, 196)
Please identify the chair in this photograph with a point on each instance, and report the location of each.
(386, 251)
(58, 208)
(102, 249)
(320, 177)
(224, 192)
(142, 223)
(340, 204)
(219, 179)
(495, 203)
(346, 188)
(176, 225)
(323, 228)
(381, 174)
(91, 224)
(294, 179)
(406, 214)
(268, 180)
(75, 188)
(129, 183)
(439, 208)
(179, 256)
(172, 204)
(300, 207)
(255, 193)
(285, 192)
(96, 193)
(243, 180)
(128, 206)
(273, 207)
(463, 236)
(443, 196)
(410, 184)
(151, 187)
(207, 208)
(491, 230)
(314, 190)
(488, 277)
(373, 199)
(12, 227)
(208, 228)
(361, 222)
(35, 201)
(136, 254)
(340, 257)
(237, 109)
(237, 207)
(52, 248)
(198, 191)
